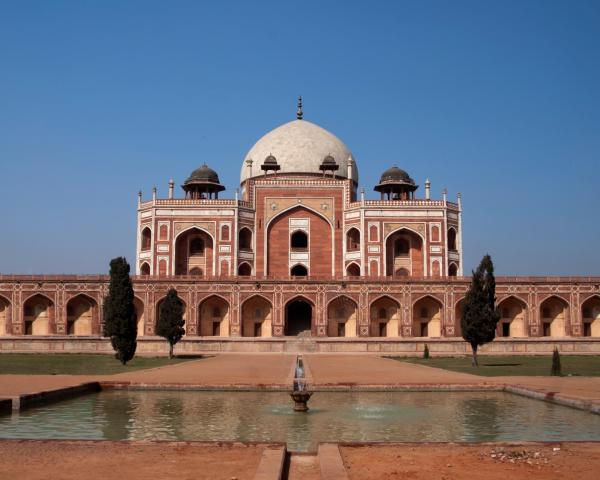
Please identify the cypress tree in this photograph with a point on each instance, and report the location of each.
(480, 316)
(120, 320)
(170, 320)
(556, 368)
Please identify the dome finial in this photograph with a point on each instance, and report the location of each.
(299, 112)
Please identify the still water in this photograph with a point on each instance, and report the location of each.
(333, 417)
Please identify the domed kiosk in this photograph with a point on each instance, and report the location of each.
(396, 184)
(203, 183)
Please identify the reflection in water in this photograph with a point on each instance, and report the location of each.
(333, 417)
(117, 416)
(481, 419)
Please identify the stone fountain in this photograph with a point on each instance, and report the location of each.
(300, 393)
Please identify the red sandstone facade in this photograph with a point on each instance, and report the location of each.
(299, 252)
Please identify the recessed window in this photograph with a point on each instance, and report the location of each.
(196, 247)
(299, 271)
(299, 240)
(452, 239)
(146, 238)
(402, 247)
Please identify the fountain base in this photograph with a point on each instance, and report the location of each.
(300, 399)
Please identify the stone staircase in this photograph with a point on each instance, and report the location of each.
(301, 344)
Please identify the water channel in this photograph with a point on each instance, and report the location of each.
(333, 417)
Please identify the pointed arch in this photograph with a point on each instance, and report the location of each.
(82, 315)
(276, 239)
(554, 316)
(298, 316)
(138, 305)
(352, 239)
(384, 317)
(244, 269)
(146, 239)
(590, 316)
(145, 268)
(342, 317)
(38, 315)
(458, 309)
(513, 317)
(452, 269)
(353, 269)
(213, 316)
(5, 316)
(188, 253)
(257, 316)
(245, 239)
(427, 316)
(452, 239)
(404, 251)
(299, 270)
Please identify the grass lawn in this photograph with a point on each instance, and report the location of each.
(76, 364)
(517, 365)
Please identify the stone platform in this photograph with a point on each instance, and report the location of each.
(441, 346)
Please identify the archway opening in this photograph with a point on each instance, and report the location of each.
(452, 239)
(245, 239)
(427, 318)
(404, 253)
(193, 250)
(298, 318)
(244, 270)
(353, 240)
(458, 309)
(146, 239)
(145, 269)
(385, 318)
(553, 314)
(452, 270)
(256, 317)
(512, 318)
(139, 314)
(353, 270)
(81, 311)
(299, 271)
(213, 317)
(590, 313)
(38, 314)
(299, 240)
(341, 318)
(4, 317)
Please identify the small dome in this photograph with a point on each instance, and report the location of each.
(396, 174)
(204, 174)
(270, 160)
(329, 160)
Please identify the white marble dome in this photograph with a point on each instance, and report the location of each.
(299, 147)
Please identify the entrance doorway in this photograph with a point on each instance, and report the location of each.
(298, 318)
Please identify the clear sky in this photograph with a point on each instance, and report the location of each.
(499, 100)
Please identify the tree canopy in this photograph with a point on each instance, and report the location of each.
(120, 320)
(170, 319)
(480, 316)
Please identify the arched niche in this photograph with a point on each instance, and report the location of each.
(213, 317)
(384, 317)
(427, 317)
(342, 317)
(257, 315)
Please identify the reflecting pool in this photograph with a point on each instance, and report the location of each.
(333, 417)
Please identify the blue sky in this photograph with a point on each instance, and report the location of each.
(498, 100)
